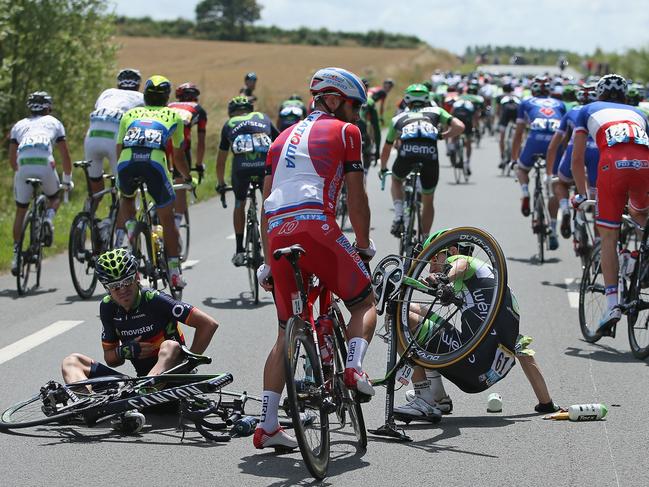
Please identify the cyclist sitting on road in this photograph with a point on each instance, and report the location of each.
(506, 110)
(249, 135)
(249, 85)
(562, 177)
(291, 111)
(380, 94)
(543, 115)
(620, 132)
(493, 358)
(305, 170)
(142, 140)
(139, 324)
(418, 130)
(30, 156)
(192, 115)
(104, 124)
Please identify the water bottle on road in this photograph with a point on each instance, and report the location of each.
(587, 412)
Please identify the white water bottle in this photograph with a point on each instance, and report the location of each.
(587, 412)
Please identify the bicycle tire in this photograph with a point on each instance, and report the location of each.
(297, 341)
(492, 252)
(82, 224)
(349, 397)
(639, 348)
(184, 234)
(541, 233)
(38, 249)
(142, 250)
(405, 242)
(24, 258)
(253, 258)
(589, 289)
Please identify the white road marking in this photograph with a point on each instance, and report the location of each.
(572, 289)
(190, 263)
(35, 339)
(230, 237)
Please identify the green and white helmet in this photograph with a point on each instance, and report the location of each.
(115, 265)
(416, 93)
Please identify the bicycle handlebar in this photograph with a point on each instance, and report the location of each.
(385, 176)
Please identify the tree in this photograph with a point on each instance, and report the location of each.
(226, 19)
(61, 46)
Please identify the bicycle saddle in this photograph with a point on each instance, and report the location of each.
(292, 252)
(33, 181)
(81, 163)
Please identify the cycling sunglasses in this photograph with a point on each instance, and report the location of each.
(356, 105)
(117, 285)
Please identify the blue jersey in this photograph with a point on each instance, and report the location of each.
(569, 122)
(542, 115)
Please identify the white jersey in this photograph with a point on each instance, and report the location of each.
(35, 137)
(113, 103)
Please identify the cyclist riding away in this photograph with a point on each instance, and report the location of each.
(249, 135)
(249, 85)
(104, 124)
(141, 144)
(380, 94)
(291, 111)
(620, 132)
(418, 129)
(506, 110)
(542, 115)
(476, 373)
(192, 115)
(139, 324)
(465, 110)
(305, 169)
(30, 156)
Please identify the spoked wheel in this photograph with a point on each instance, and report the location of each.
(142, 250)
(28, 258)
(539, 226)
(592, 297)
(81, 255)
(346, 400)
(253, 259)
(184, 235)
(306, 395)
(638, 317)
(438, 315)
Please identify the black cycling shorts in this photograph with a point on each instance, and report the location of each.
(467, 119)
(507, 115)
(429, 172)
(241, 180)
(98, 369)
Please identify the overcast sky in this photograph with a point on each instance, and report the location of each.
(576, 25)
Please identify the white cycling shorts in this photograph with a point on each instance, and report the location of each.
(23, 191)
(99, 145)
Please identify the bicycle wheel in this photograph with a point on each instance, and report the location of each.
(81, 255)
(305, 391)
(25, 258)
(638, 316)
(142, 250)
(446, 320)
(592, 297)
(37, 246)
(540, 226)
(253, 258)
(345, 399)
(184, 235)
(407, 237)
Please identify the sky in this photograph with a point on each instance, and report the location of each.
(575, 25)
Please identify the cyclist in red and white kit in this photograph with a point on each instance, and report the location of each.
(620, 132)
(305, 169)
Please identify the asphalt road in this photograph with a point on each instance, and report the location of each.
(469, 447)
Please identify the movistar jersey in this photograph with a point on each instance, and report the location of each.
(153, 319)
(250, 137)
(144, 132)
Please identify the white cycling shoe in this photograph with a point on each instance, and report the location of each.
(419, 410)
(610, 318)
(280, 439)
(445, 404)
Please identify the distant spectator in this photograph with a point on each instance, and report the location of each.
(250, 82)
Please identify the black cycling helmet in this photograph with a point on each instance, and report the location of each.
(295, 96)
(366, 82)
(129, 79)
(251, 76)
(612, 86)
(540, 86)
(239, 102)
(508, 88)
(39, 101)
(115, 265)
(473, 88)
(187, 92)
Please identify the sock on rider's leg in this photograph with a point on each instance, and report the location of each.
(178, 219)
(436, 385)
(269, 406)
(239, 239)
(356, 353)
(423, 391)
(49, 214)
(564, 204)
(525, 189)
(611, 296)
(553, 225)
(398, 209)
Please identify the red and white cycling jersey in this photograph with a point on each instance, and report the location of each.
(307, 163)
(613, 123)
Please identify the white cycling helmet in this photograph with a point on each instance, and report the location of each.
(611, 84)
(338, 81)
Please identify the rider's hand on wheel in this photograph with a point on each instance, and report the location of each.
(264, 277)
(577, 200)
(200, 169)
(367, 253)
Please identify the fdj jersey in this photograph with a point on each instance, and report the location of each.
(494, 357)
(418, 132)
(543, 115)
(153, 319)
(249, 136)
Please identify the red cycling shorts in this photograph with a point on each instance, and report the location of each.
(622, 174)
(328, 255)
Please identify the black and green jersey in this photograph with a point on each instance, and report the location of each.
(249, 136)
(422, 124)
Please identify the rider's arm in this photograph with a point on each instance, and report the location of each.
(13, 155)
(518, 140)
(112, 358)
(268, 185)
(455, 128)
(357, 203)
(551, 154)
(387, 147)
(577, 163)
(205, 327)
(109, 339)
(177, 139)
(201, 130)
(62, 145)
(222, 155)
